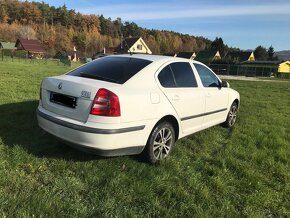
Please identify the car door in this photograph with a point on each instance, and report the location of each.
(216, 98)
(179, 85)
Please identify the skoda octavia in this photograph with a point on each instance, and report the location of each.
(129, 104)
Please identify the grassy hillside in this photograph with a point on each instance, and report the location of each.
(283, 55)
(217, 172)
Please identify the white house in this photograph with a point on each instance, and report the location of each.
(133, 45)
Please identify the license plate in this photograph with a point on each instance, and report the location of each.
(64, 100)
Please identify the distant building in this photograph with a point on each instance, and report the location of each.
(240, 56)
(265, 68)
(133, 45)
(275, 66)
(7, 48)
(31, 46)
(187, 55)
(208, 57)
(109, 50)
(74, 55)
(284, 67)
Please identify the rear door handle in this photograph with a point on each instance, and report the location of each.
(175, 98)
(208, 95)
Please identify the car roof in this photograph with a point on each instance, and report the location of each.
(155, 58)
(148, 57)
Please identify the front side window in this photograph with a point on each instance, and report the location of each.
(208, 79)
(178, 75)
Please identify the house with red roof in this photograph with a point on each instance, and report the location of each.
(32, 46)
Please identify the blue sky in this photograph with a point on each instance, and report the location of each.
(243, 24)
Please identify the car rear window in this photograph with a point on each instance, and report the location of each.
(111, 69)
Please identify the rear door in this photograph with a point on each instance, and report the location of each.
(179, 84)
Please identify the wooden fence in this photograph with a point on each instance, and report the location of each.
(240, 70)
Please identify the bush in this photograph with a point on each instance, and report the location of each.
(283, 75)
(20, 54)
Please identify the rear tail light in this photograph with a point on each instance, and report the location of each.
(106, 103)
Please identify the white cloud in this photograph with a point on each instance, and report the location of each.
(154, 12)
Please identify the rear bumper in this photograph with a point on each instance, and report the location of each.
(107, 153)
(85, 128)
(93, 137)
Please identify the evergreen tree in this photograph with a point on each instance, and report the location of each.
(261, 53)
(271, 53)
(218, 45)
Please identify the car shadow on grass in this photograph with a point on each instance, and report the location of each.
(18, 127)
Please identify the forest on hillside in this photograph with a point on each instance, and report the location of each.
(60, 29)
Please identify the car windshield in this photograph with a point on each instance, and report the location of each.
(111, 69)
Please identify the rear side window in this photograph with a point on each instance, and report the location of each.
(111, 69)
(177, 75)
(166, 78)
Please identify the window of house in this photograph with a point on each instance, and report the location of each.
(139, 47)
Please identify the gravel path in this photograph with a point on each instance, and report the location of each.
(225, 77)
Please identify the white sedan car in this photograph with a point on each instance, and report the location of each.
(128, 104)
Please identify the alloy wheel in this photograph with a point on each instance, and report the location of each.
(233, 115)
(162, 143)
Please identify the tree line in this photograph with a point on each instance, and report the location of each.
(262, 53)
(60, 29)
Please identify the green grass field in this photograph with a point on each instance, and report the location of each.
(217, 172)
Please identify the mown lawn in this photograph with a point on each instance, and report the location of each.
(217, 172)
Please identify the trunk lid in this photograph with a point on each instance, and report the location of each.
(71, 96)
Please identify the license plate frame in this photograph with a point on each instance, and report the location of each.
(64, 100)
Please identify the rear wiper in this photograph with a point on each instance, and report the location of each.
(92, 76)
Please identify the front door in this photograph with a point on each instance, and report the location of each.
(216, 98)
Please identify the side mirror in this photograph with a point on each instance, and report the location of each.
(225, 84)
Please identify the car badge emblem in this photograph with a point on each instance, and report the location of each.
(59, 86)
(86, 94)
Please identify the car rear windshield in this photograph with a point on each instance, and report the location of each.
(111, 69)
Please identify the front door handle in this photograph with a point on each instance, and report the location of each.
(175, 98)
(208, 95)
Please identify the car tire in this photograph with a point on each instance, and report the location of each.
(160, 142)
(232, 116)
